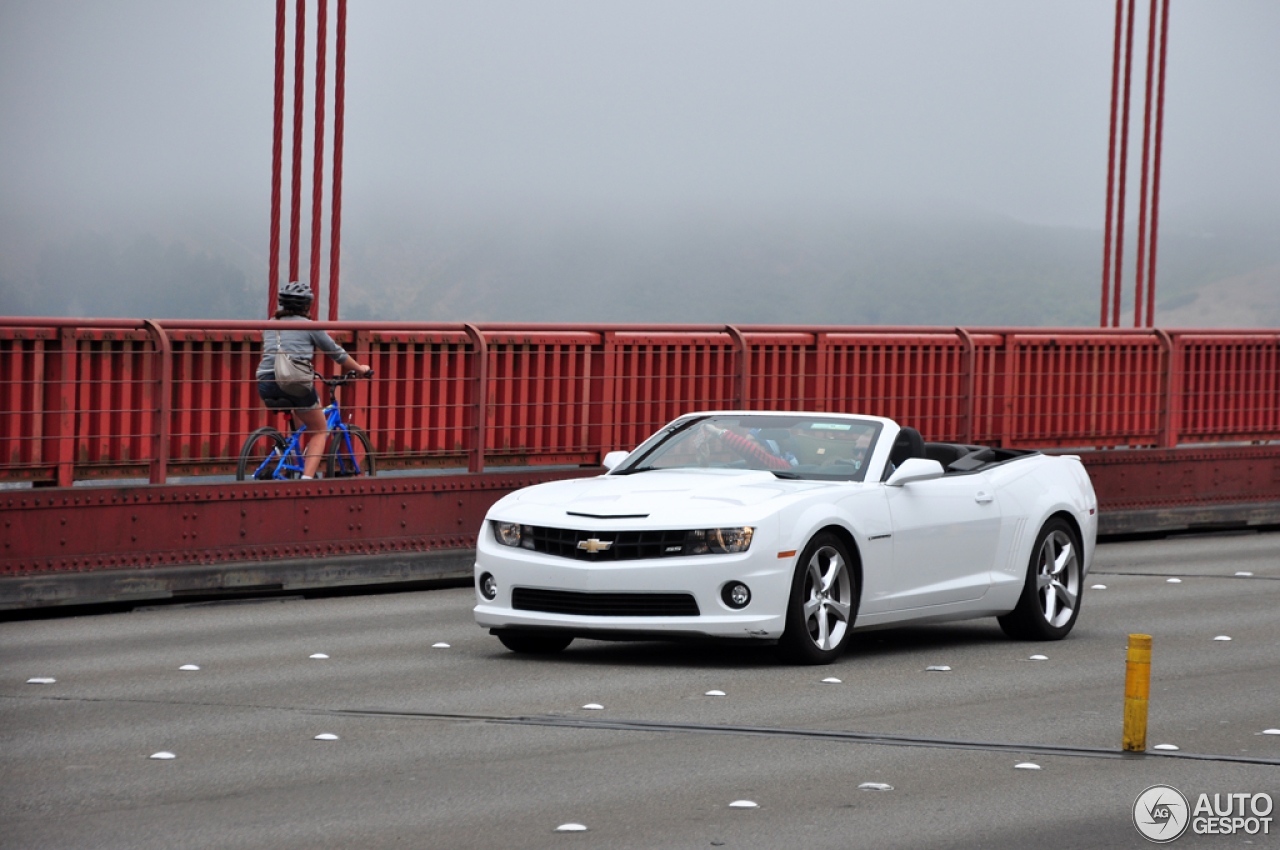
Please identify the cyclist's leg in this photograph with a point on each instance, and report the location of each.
(317, 435)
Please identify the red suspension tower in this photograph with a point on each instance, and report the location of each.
(1113, 240)
(317, 179)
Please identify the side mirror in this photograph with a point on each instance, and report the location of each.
(612, 459)
(915, 469)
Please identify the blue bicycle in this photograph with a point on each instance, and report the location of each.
(269, 456)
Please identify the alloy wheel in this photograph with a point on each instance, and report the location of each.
(828, 598)
(1058, 578)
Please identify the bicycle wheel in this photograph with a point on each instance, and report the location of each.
(260, 455)
(349, 454)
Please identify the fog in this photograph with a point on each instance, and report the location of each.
(606, 161)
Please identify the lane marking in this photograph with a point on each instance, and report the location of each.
(1095, 571)
(818, 734)
(693, 728)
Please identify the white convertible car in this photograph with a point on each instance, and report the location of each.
(788, 528)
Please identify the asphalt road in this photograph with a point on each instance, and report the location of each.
(470, 746)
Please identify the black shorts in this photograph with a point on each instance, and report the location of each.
(277, 399)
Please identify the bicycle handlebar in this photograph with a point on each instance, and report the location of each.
(346, 376)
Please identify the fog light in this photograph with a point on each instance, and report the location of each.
(488, 586)
(736, 594)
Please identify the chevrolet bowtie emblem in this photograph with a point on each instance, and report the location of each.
(593, 546)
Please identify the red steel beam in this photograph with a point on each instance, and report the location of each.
(295, 209)
(1124, 158)
(67, 407)
(163, 406)
(277, 153)
(1139, 296)
(173, 325)
(317, 175)
(339, 98)
(1155, 176)
(438, 402)
(74, 530)
(480, 398)
(1111, 165)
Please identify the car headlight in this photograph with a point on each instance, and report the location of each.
(718, 541)
(513, 534)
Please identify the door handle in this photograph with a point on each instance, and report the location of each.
(982, 497)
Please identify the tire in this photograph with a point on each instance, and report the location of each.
(527, 643)
(261, 443)
(1050, 600)
(341, 463)
(820, 621)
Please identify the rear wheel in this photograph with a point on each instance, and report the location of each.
(1050, 600)
(534, 644)
(823, 603)
(349, 454)
(260, 455)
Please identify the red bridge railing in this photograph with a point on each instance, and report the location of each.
(108, 398)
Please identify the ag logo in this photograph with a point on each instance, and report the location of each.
(1161, 814)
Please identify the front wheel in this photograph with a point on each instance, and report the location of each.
(823, 603)
(349, 454)
(1050, 600)
(534, 644)
(261, 454)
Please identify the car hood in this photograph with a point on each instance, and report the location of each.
(669, 496)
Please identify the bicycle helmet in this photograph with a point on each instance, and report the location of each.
(296, 297)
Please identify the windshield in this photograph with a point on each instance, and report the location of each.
(790, 446)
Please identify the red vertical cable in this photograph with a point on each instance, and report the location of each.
(1155, 175)
(1124, 157)
(1138, 291)
(339, 95)
(277, 145)
(295, 210)
(317, 177)
(1111, 165)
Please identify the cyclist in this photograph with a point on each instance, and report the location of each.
(295, 305)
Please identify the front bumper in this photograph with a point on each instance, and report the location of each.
(701, 576)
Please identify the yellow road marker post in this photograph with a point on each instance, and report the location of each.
(1137, 688)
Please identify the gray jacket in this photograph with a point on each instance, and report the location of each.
(302, 343)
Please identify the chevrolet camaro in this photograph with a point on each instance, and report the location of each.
(792, 529)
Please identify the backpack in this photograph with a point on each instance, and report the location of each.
(295, 377)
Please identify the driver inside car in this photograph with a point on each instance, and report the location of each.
(762, 447)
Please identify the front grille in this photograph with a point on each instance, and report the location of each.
(623, 545)
(604, 604)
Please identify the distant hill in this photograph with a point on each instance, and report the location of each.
(846, 269)
(784, 268)
(1250, 300)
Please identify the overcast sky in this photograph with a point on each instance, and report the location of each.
(147, 109)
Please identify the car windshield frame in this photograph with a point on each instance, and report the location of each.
(808, 447)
